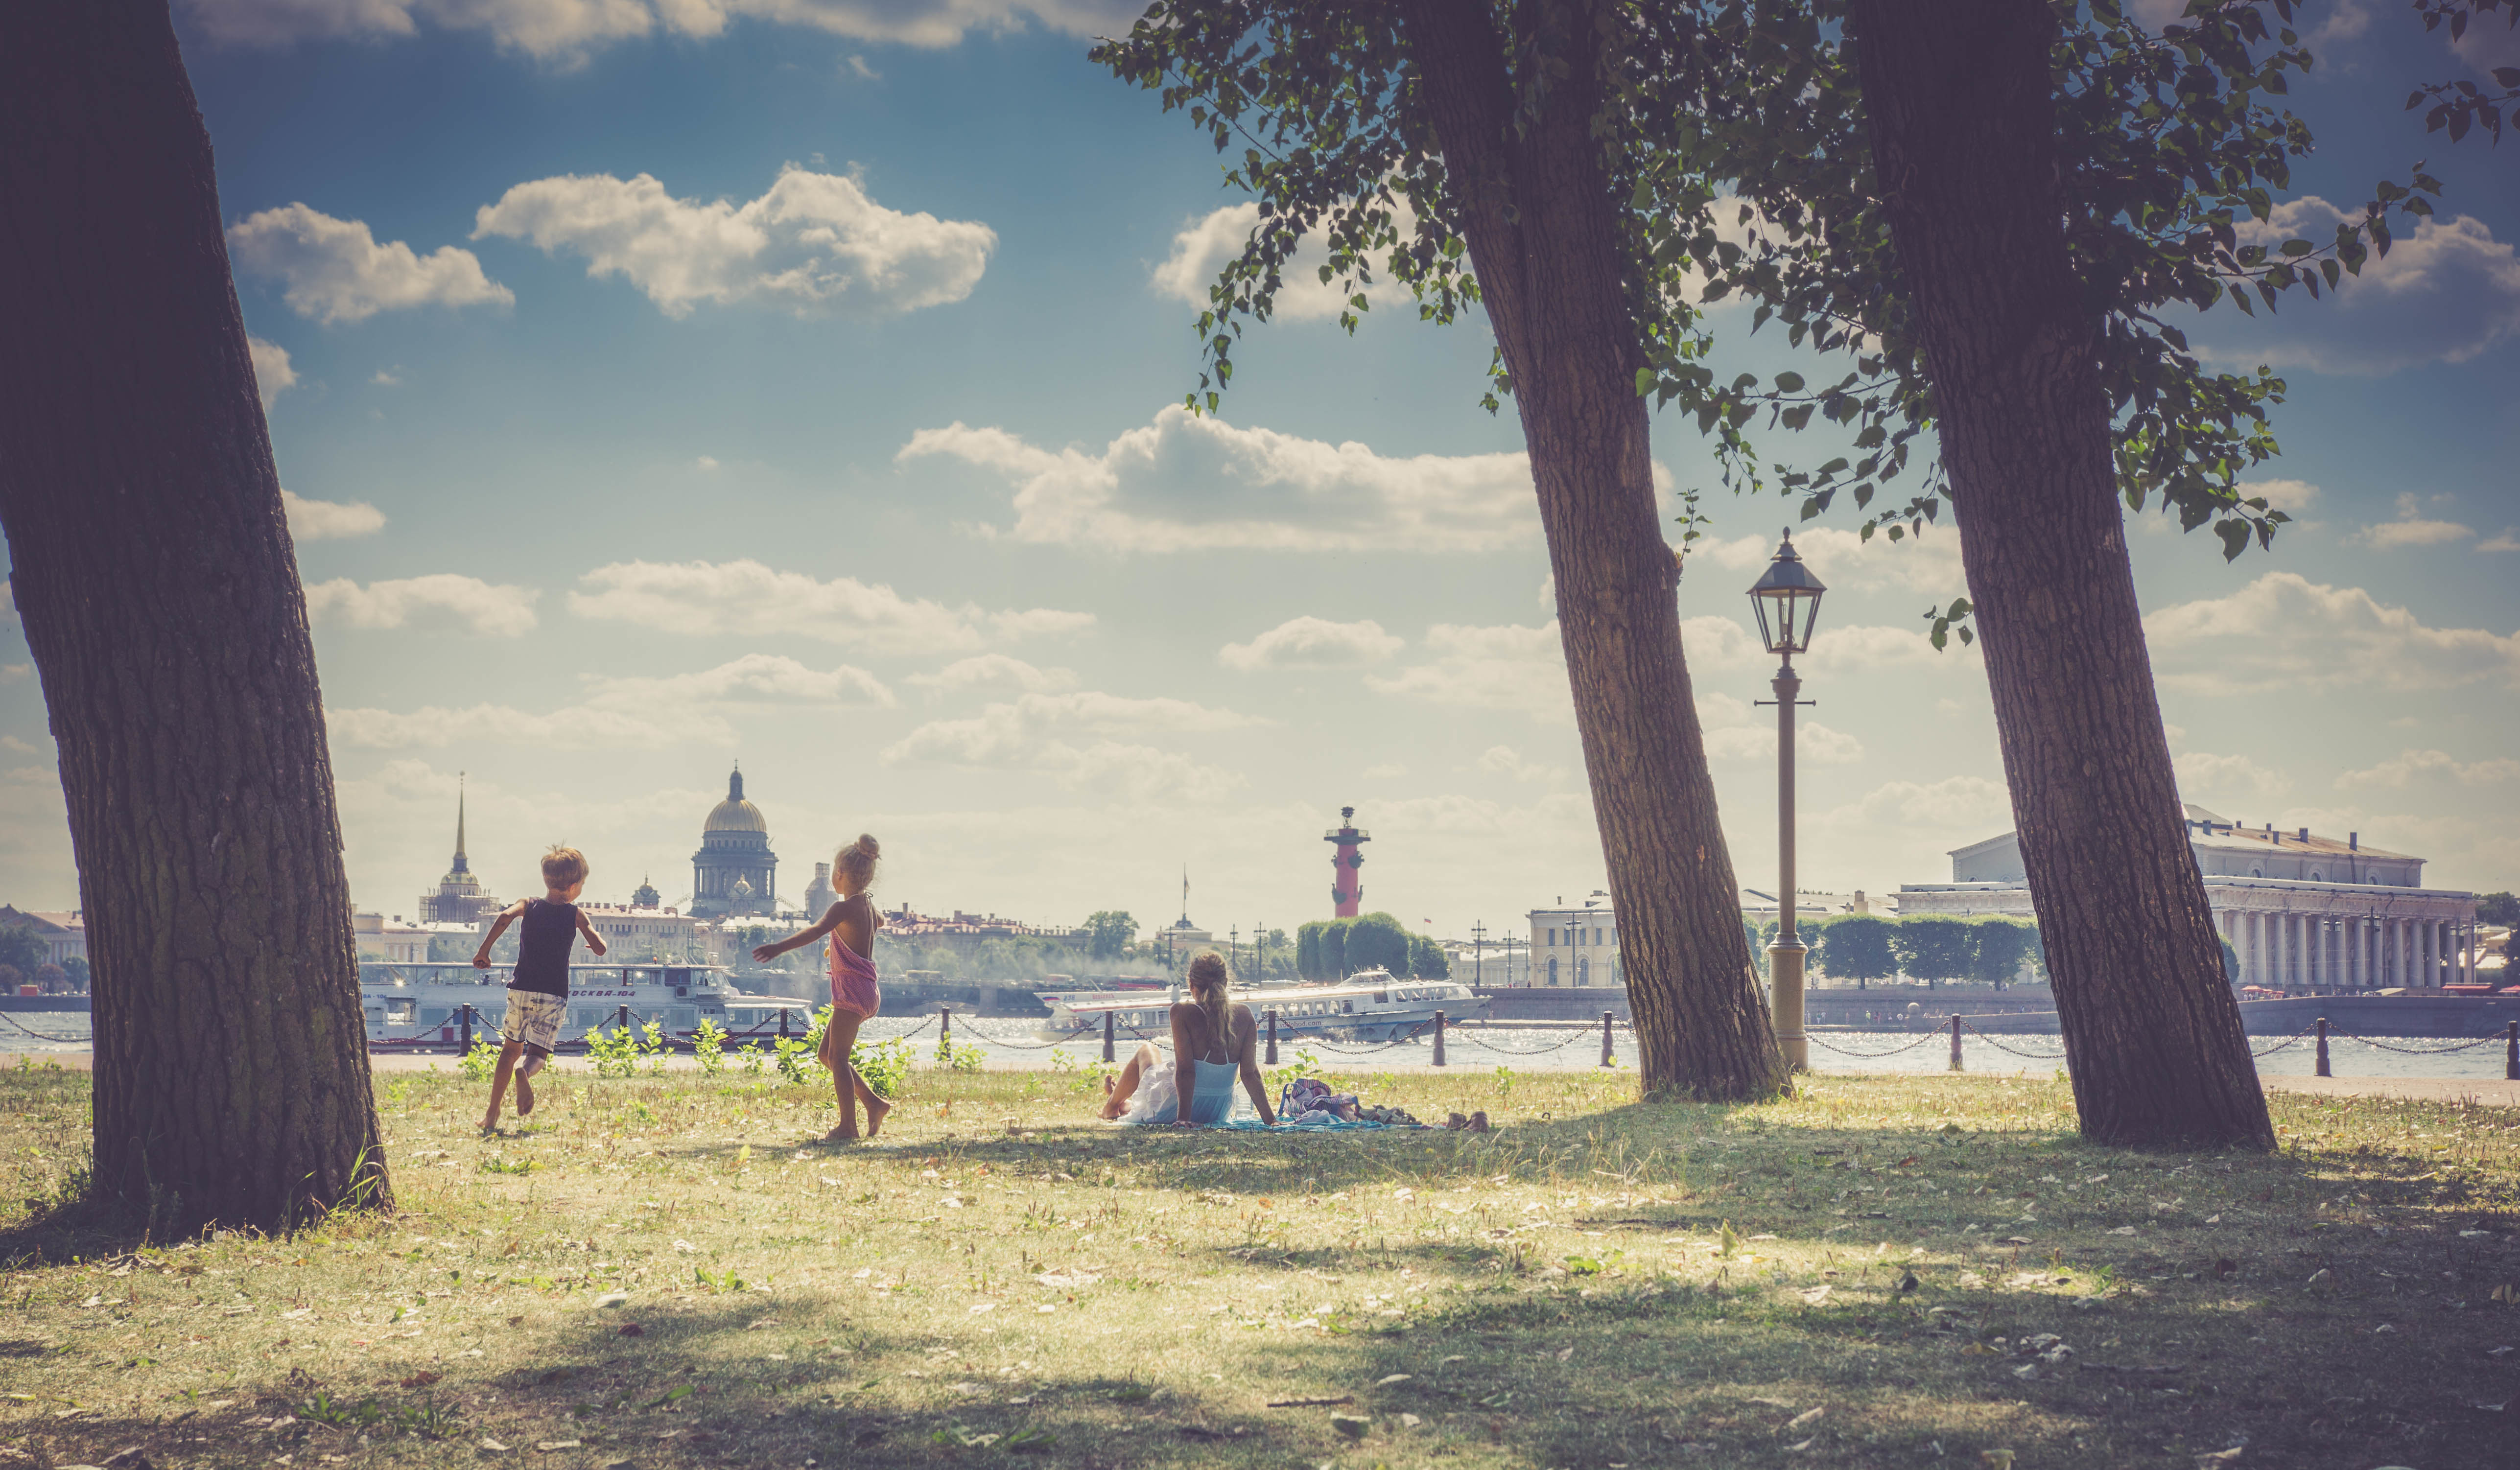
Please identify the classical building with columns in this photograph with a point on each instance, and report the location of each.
(735, 871)
(2302, 911)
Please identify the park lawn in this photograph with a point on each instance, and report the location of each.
(1882, 1272)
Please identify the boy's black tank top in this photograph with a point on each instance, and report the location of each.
(543, 943)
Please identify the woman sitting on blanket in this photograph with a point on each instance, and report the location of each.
(1213, 1040)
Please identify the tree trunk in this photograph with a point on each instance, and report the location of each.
(152, 565)
(1543, 236)
(1959, 98)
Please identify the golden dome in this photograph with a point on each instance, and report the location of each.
(735, 814)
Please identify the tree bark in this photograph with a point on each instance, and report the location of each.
(1959, 101)
(152, 566)
(1542, 236)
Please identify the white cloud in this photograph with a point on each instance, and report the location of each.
(754, 679)
(1032, 733)
(441, 599)
(10, 673)
(1188, 482)
(748, 598)
(2508, 540)
(1389, 771)
(335, 271)
(1949, 812)
(1007, 731)
(328, 519)
(2283, 631)
(1312, 643)
(1505, 667)
(704, 461)
(2446, 291)
(990, 670)
(814, 243)
(1202, 248)
(1843, 560)
(1734, 731)
(2407, 766)
(2411, 529)
(2202, 775)
(577, 728)
(2294, 497)
(1505, 761)
(566, 30)
(386, 378)
(272, 374)
(1039, 622)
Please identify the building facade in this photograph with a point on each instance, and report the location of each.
(63, 933)
(1573, 947)
(818, 894)
(2301, 912)
(735, 871)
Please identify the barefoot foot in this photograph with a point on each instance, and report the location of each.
(875, 1109)
(840, 1135)
(525, 1097)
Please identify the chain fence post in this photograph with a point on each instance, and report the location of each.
(1606, 1039)
(2512, 1051)
(1955, 1043)
(783, 1021)
(1439, 1038)
(464, 1018)
(2322, 1048)
(621, 1017)
(1106, 1039)
(945, 1029)
(1273, 1039)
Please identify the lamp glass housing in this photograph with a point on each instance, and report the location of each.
(1786, 600)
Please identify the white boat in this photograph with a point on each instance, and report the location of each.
(1369, 1005)
(421, 1004)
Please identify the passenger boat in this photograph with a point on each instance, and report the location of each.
(419, 1006)
(1369, 1005)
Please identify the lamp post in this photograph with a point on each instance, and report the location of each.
(1786, 600)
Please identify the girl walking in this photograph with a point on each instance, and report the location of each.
(850, 924)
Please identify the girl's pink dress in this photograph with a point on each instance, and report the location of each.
(853, 987)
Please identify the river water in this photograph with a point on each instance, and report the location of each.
(1009, 1043)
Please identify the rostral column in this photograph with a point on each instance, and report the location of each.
(1347, 890)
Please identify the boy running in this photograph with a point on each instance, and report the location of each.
(538, 990)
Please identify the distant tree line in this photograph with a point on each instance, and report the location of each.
(1928, 947)
(1334, 949)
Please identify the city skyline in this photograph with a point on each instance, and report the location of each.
(653, 397)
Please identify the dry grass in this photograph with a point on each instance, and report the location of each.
(1870, 1274)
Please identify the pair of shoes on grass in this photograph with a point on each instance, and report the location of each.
(1475, 1122)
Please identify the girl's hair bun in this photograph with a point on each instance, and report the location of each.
(869, 846)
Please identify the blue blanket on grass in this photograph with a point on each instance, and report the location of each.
(1247, 1124)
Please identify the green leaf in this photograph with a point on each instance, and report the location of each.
(1789, 382)
(1644, 381)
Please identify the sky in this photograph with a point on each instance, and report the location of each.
(659, 384)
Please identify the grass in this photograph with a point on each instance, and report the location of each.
(661, 1273)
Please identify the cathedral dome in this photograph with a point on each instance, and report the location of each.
(735, 814)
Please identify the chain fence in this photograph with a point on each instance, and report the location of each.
(41, 1036)
(2056, 1056)
(1825, 1045)
(2466, 1046)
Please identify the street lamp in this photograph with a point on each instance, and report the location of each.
(1786, 600)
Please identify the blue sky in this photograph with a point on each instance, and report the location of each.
(673, 382)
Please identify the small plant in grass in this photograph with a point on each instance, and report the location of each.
(502, 1164)
(709, 1046)
(614, 1052)
(796, 1060)
(1503, 1080)
(653, 1047)
(721, 1281)
(751, 1056)
(481, 1062)
(958, 1057)
(884, 1066)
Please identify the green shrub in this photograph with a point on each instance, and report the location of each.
(884, 1065)
(481, 1063)
(708, 1044)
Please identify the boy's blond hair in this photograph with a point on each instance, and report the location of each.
(562, 865)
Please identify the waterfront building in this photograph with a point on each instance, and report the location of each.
(1574, 946)
(819, 894)
(458, 898)
(645, 931)
(63, 932)
(2302, 911)
(965, 932)
(391, 941)
(644, 895)
(735, 871)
